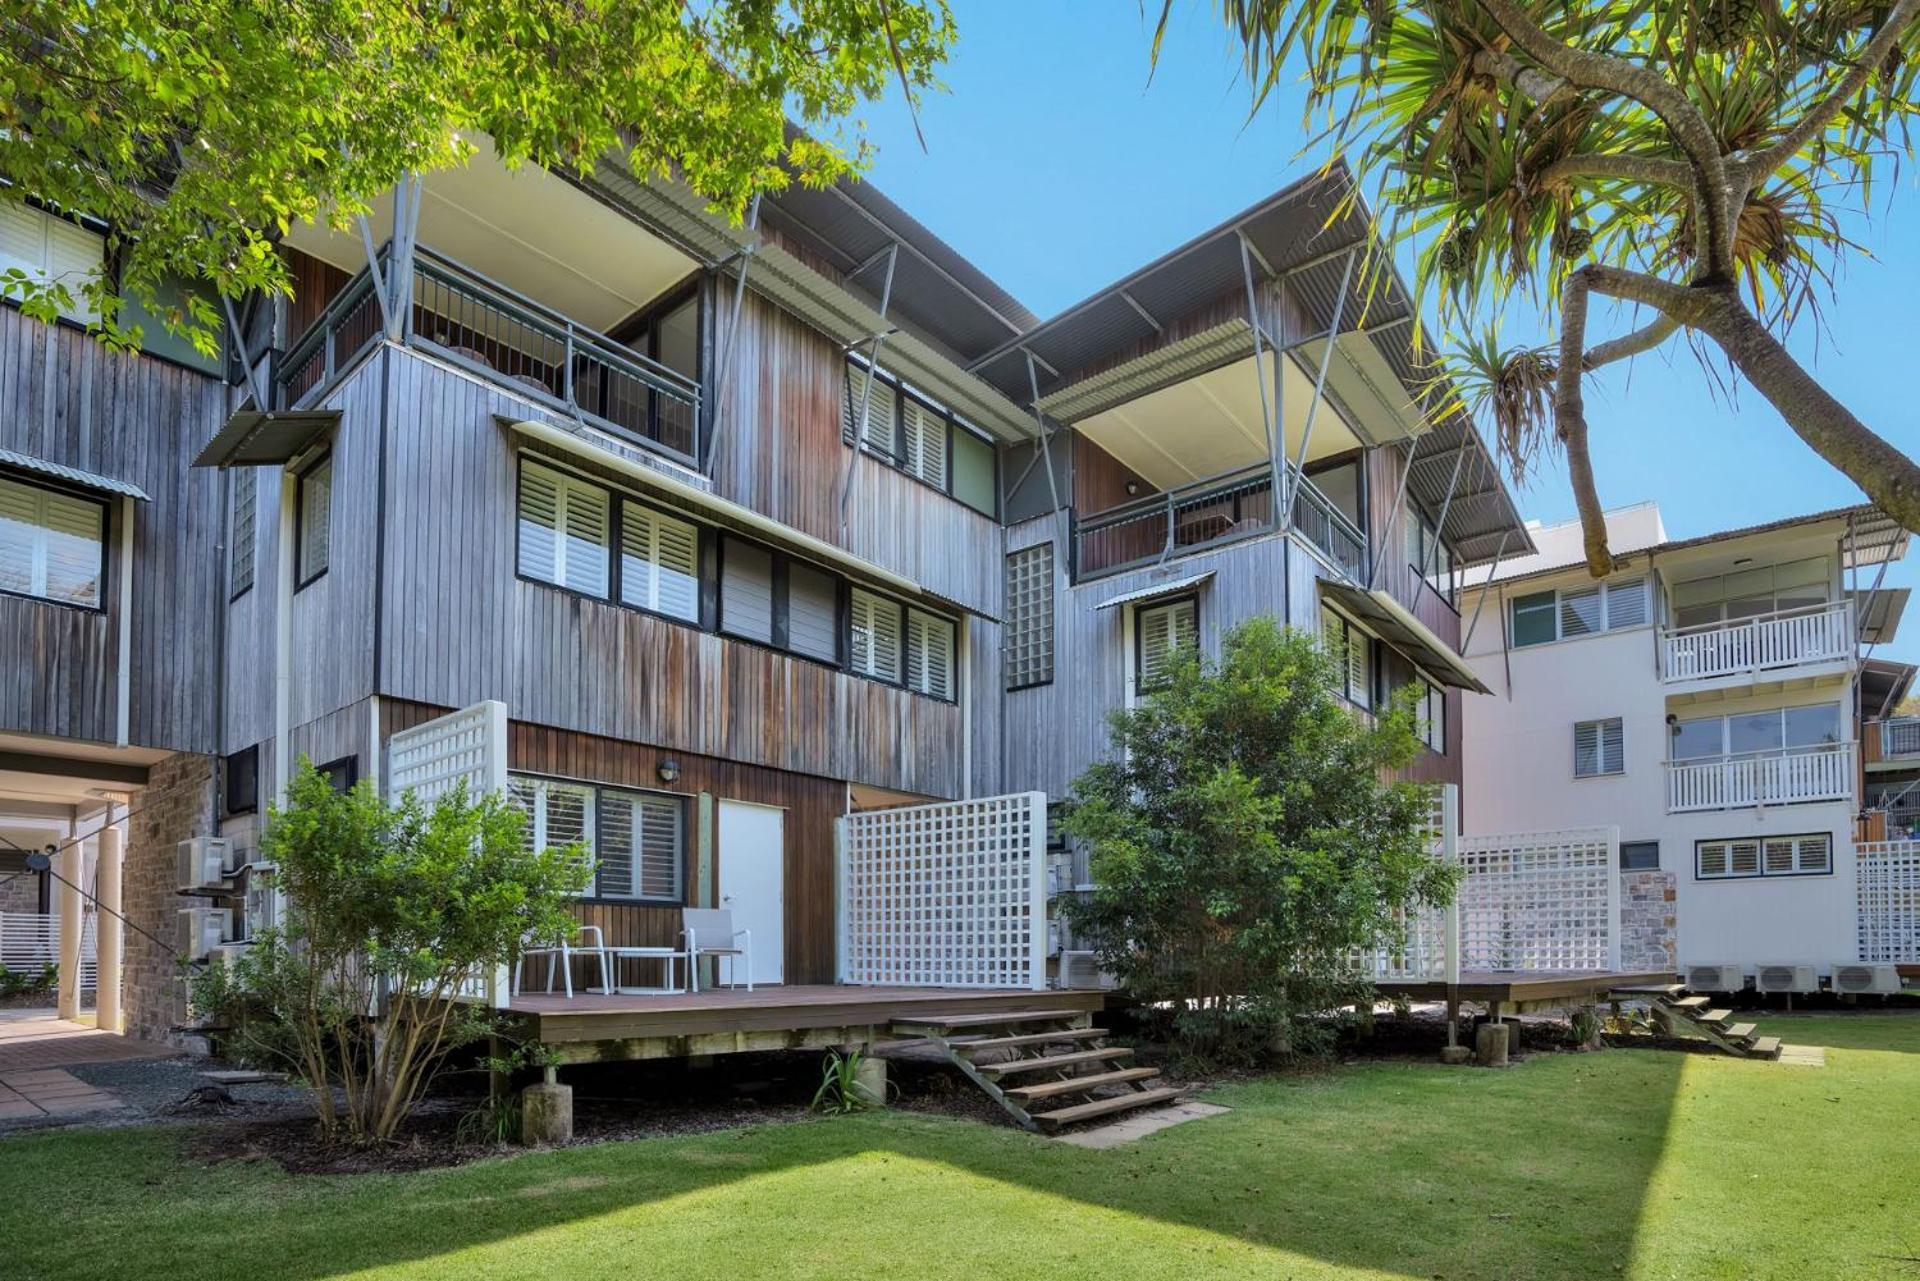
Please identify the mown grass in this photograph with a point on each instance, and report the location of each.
(1624, 1163)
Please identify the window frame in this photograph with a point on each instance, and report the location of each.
(1605, 590)
(343, 772)
(30, 480)
(853, 437)
(244, 482)
(246, 764)
(1049, 597)
(687, 842)
(1760, 871)
(899, 680)
(1626, 866)
(301, 478)
(1347, 626)
(1140, 608)
(953, 653)
(617, 556)
(1600, 724)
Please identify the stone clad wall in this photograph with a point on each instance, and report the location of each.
(176, 804)
(1649, 922)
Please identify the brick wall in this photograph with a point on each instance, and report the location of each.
(175, 805)
(1648, 921)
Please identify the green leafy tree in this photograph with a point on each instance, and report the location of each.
(1245, 844)
(393, 910)
(200, 130)
(1689, 160)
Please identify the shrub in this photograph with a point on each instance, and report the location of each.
(1245, 846)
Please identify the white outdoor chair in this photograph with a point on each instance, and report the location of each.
(708, 931)
(560, 954)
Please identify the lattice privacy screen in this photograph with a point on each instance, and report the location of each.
(1422, 954)
(1540, 900)
(947, 895)
(1888, 875)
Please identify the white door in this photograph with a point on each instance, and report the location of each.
(753, 874)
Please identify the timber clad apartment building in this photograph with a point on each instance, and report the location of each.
(718, 535)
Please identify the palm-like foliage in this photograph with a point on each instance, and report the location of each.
(1678, 157)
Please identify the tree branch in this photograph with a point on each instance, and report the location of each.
(1653, 170)
(1570, 422)
(1640, 340)
(1756, 165)
(1588, 70)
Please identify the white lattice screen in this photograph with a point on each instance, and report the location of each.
(1423, 954)
(1540, 901)
(430, 760)
(946, 895)
(1888, 876)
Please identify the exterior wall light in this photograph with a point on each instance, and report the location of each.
(668, 770)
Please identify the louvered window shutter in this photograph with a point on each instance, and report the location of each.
(813, 611)
(557, 813)
(563, 530)
(316, 520)
(241, 540)
(52, 544)
(1713, 858)
(924, 443)
(876, 430)
(1163, 630)
(875, 636)
(642, 849)
(1598, 748)
(1743, 857)
(659, 562)
(1815, 854)
(1360, 667)
(929, 655)
(1580, 612)
(1626, 604)
(746, 591)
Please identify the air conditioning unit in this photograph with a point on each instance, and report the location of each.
(1859, 979)
(227, 953)
(1786, 978)
(202, 929)
(1082, 969)
(203, 862)
(1716, 978)
(263, 905)
(1053, 938)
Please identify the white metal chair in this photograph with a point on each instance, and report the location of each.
(560, 954)
(708, 931)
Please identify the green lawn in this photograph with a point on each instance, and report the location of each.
(1625, 1163)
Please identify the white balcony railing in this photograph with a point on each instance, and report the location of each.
(1761, 778)
(1769, 642)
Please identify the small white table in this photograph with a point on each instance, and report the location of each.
(667, 956)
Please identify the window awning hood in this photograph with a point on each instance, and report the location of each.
(1395, 624)
(1167, 587)
(72, 475)
(254, 439)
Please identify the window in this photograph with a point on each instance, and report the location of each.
(241, 787)
(1640, 856)
(1599, 748)
(314, 507)
(1027, 641)
(873, 635)
(557, 813)
(241, 533)
(343, 773)
(564, 523)
(52, 251)
(746, 591)
(1571, 612)
(1749, 593)
(1432, 711)
(1160, 632)
(920, 438)
(1428, 553)
(930, 655)
(1757, 733)
(52, 543)
(659, 562)
(641, 846)
(813, 612)
(1806, 854)
(1353, 650)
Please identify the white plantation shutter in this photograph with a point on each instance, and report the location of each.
(876, 429)
(659, 562)
(1580, 612)
(563, 530)
(641, 845)
(924, 443)
(1599, 747)
(1163, 630)
(50, 249)
(929, 655)
(1626, 604)
(1743, 858)
(557, 813)
(1359, 667)
(874, 635)
(52, 544)
(316, 519)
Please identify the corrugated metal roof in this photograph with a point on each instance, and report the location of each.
(250, 438)
(1166, 587)
(1398, 626)
(72, 475)
(1161, 367)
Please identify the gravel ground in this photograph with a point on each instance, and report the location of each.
(162, 1090)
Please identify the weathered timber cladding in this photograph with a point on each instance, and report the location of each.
(459, 626)
(811, 805)
(71, 401)
(1100, 480)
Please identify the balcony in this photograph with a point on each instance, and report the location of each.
(1767, 644)
(1899, 738)
(1208, 514)
(508, 339)
(1790, 777)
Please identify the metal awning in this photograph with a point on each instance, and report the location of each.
(1395, 624)
(72, 475)
(1166, 587)
(253, 439)
(1160, 367)
(1879, 611)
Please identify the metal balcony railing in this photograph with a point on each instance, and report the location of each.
(1211, 513)
(1769, 642)
(1899, 736)
(1786, 777)
(509, 339)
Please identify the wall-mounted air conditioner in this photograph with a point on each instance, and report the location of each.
(203, 862)
(226, 953)
(1716, 978)
(1786, 978)
(1855, 978)
(1082, 969)
(1053, 938)
(202, 929)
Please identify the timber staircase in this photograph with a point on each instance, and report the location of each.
(1673, 1012)
(1047, 1069)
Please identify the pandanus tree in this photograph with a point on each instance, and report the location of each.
(199, 131)
(1690, 160)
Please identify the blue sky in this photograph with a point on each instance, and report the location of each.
(1055, 166)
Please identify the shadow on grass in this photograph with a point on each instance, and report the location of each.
(1539, 1170)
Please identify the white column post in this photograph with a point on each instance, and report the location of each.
(1450, 855)
(1037, 874)
(109, 929)
(1613, 899)
(70, 868)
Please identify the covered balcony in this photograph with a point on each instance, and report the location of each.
(1785, 777)
(1773, 643)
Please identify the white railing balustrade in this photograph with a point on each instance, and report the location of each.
(30, 944)
(1768, 642)
(1761, 778)
(1888, 876)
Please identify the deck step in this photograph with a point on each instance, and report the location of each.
(1676, 989)
(1738, 1032)
(1011, 1018)
(1106, 1107)
(1767, 1047)
(1053, 1061)
(1713, 1016)
(1081, 1084)
(1690, 1003)
(973, 1045)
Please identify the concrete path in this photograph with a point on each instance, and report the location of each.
(35, 1039)
(50, 1092)
(1141, 1124)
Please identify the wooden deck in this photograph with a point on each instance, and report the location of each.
(589, 1027)
(1508, 986)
